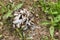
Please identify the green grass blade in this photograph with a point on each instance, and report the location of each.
(17, 6)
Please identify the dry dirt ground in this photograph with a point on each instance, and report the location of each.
(36, 34)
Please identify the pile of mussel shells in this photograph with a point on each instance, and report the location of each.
(23, 19)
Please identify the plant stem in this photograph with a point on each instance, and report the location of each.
(19, 33)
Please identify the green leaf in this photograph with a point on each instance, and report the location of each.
(55, 12)
(51, 31)
(10, 6)
(17, 6)
(3, 7)
(45, 23)
(2, 10)
(8, 14)
(57, 18)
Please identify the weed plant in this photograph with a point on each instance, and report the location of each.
(53, 10)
